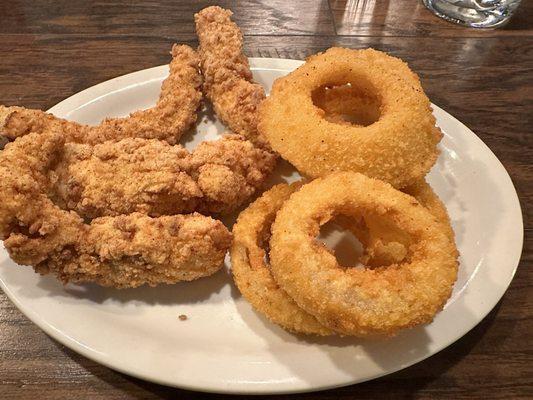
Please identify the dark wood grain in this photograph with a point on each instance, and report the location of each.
(51, 50)
(411, 18)
(163, 18)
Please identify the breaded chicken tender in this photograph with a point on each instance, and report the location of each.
(228, 80)
(154, 178)
(174, 113)
(124, 251)
(229, 172)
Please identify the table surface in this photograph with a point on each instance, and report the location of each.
(51, 50)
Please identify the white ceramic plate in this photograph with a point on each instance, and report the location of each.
(224, 346)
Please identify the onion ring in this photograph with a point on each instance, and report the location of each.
(352, 301)
(383, 244)
(399, 148)
(252, 273)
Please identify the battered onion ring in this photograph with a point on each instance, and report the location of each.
(398, 148)
(383, 243)
(252, 273)
(354, 301)
(425, 195)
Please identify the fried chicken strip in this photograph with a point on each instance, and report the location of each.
(174, 113)
(152, 177)
(228, 81)
(131, 175)
(123, 251)
(229, 172)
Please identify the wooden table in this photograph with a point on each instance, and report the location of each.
(51, 50)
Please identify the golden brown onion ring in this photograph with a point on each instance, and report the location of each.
(383, 243)
(354, 301)
(400, 147)
(252, 273)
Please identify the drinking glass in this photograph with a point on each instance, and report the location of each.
(474, 13)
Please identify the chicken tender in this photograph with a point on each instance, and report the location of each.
(174, 113)
(132, 175)
(154, 178)
(123, 251)
(229, 172)
(228, 79)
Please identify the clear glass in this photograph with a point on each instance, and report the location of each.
(474, 13)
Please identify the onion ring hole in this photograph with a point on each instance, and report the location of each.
(347, 104)
(356, 243)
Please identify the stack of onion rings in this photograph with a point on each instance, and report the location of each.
(271, 296)
(343, 114)
(352, 301)
(252, 273)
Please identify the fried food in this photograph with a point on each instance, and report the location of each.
(425, 195)
(249, 258)
(174, 113)
(353, 301)
(251, 271)
(154, 178)
(399, 147)
(132, 175)
(383, 243)
(228, 81)
(123, 251)
(229, 172)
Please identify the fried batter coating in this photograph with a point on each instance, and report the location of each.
(132, 250)
(154, 178)
(249, 262)
(384, 244)
(251, 272)
(228, 80)
(174, 113)
(229, 172)
(399, 147)
(362, 302)
(123, 251)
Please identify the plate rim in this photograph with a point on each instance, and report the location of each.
(100, 89)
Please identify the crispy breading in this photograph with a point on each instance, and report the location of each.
(229, 172)
(399, 147)
(174, 113)
(152, 177)
(228, 81)
(251, 270)
(123, 251)
(362, 302)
